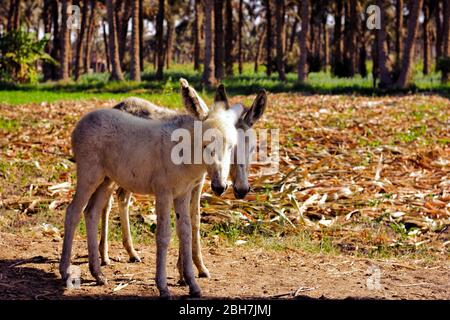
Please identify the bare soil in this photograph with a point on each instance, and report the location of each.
(29, 270)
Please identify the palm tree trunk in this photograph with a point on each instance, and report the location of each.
(105, 43)
(269, 42)
(446, 38)
(228, 38)
(159, 39)
(438, 22)
(116, 70)
(16, 19)
(426, 38)
(337, 39)
(78, 54)
(398, 32)
(218, 39)
(65, 41)
(141, 36)
(135, 66)
(305, 12)
(196, 34)
(408, 53)
(384, 72)
(240, 26)
(208, 70)
(90, 37)
(259, 49)
(169, 40)
(280, 27)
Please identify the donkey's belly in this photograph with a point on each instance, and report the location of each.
(132, 180)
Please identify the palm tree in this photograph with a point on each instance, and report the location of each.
(90, 36)
(384, 72)
(65, 41)
(305, 12)
(116, 70)
(159, 39)
(240, 25)
(78, 55)
(228, 38)
(446, 39)
(218, 38)
(398, 32)
(269, 42)
(196, 34)
(208, 70)
(408, 53)
(135, 72)
(280, 27)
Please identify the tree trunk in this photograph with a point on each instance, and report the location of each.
(16, 19)
(351, 51)
(78, 54)
(160, 40)
(446, 38)
(90, 37)
(141, 36)
(305, 11)
(65, 41)
(269, 40)
(280, 27)
(12, 8)
(218, 39)
(293, 35)
(408, 53)
(398, 32)
(208, 69)
(56, 45)
(105, 43)
(169, 40)
(240, 26)
(228, 38)
(439, 37)
(259, 49)
(337, 39)
(326, 44)
(135, 66)
(384, 72)
(116, 70)
(196, 34)
(426, 34)
(46, 17)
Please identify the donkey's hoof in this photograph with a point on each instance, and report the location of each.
(195, 293)
(182, 282)
(165, 294)
(135, 259)
(204, 274)
(106, 262)
(101, 280)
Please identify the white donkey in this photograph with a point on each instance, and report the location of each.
(239, 172)
(111, 146)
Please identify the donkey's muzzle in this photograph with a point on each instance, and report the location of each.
(218, 189)
(240, 193)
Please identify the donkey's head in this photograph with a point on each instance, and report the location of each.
(243, 150)
(246, 144)
(219, 134)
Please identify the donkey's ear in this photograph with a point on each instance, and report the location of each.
(257, 109)
(221, 96)
(193, 103)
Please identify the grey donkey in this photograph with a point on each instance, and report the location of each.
(104, 157)
(238, 170)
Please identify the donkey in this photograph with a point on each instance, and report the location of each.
(238, 170)
(104, 156)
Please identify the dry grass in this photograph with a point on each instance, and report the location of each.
(356, 174)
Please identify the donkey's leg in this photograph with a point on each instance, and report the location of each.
(184, 232)
(86, 185)
(163, 206)
(195, 219)
(196, 246)
(104, 234)
(92, 215)
(124, 204)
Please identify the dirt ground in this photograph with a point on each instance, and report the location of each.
(29, 270)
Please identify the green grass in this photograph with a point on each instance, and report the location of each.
(166, 91)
